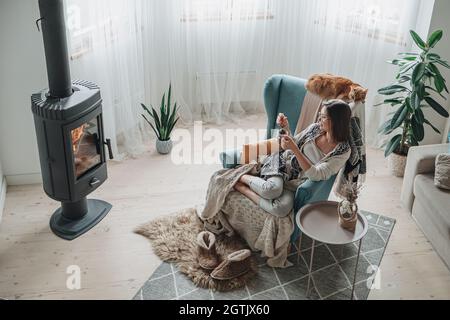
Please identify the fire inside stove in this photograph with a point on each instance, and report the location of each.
(86, 147)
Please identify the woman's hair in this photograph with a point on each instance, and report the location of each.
(340, 114)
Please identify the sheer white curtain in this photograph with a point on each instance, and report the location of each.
(345, 37)
(106, 48)
(218, 53)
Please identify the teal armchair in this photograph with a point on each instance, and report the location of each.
(285, 94)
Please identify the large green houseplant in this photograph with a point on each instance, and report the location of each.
(164, 123)
(417, 82)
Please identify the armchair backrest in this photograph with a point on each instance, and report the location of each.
(283, 94)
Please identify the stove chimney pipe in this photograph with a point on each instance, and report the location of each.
(55, 44)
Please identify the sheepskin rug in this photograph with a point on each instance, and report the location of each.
(173, 239)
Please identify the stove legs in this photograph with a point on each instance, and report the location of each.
(76, 218)
(74, 210)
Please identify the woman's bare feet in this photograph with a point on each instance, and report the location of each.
(245, 179)
(246, 191)
(238, 186)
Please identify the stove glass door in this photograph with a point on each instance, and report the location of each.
(86, 147)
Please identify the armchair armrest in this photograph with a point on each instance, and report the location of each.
(230, 159)
(420, 160)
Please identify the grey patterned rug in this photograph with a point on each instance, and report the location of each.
(332, 273)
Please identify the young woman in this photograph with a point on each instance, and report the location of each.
(317, 153)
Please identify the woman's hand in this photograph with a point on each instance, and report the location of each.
(282, 121)
(288, 143)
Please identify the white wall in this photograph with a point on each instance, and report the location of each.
(440, 20)
(22, 65)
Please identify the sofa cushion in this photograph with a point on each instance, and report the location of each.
(442, 173)
(436, 199)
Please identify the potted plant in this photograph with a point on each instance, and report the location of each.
(163, 123)
(348, 208)
(418, 78)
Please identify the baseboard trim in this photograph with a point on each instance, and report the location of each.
(24, 179)
(3, 187)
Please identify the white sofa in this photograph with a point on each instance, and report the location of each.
(429, 205)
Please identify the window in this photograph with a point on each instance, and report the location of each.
(85, 30)
(226, 10)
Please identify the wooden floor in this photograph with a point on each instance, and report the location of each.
(115, 262)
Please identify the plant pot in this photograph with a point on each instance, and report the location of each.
(164, 147)
(397, 164)
(348, 214)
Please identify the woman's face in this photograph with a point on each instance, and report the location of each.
(324, 120)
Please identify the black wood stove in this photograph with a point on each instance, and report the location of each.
(69, 129)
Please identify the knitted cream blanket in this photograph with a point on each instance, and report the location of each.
(228, 212)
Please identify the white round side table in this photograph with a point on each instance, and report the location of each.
(320, 222)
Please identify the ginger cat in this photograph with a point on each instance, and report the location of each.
(328, 86)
